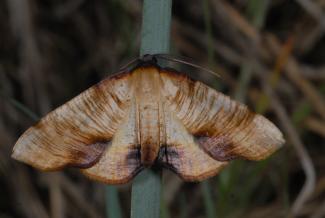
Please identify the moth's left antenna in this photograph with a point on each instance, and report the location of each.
(130, 63)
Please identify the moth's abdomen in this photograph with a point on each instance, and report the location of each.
(149, 132)
(148, 118)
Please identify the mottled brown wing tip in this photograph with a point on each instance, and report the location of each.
(25, 158)
(20, 152)
(268, 137)
(40, 151)
(272, 130)
(15, 155)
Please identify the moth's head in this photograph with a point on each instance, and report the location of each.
(149, 58)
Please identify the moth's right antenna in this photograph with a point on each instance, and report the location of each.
(169, 58)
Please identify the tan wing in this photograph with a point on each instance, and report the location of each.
(225, 129)
(122, 160)
(182, 155)
(78, 132)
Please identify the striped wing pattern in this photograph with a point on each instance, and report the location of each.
(116, 128)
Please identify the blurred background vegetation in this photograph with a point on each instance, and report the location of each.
(270, 54)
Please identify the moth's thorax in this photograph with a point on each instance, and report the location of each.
(146, 83)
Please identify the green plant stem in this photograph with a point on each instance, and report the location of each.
(229, 178)
(256, 13)
(145, 199)
(156, 26)
(146, 188)
(21, 107)
(113, 207)
(208, 201)
(208, 29)
(210, 209)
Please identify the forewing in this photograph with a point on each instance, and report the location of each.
(78, 132)
(225, 129)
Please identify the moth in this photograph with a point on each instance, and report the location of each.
(145, 116)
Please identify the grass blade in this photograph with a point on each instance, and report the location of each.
(113, 207)
(210, 209)
(146, 188)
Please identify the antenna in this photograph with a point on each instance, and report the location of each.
(170, 58)
(127, 65)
